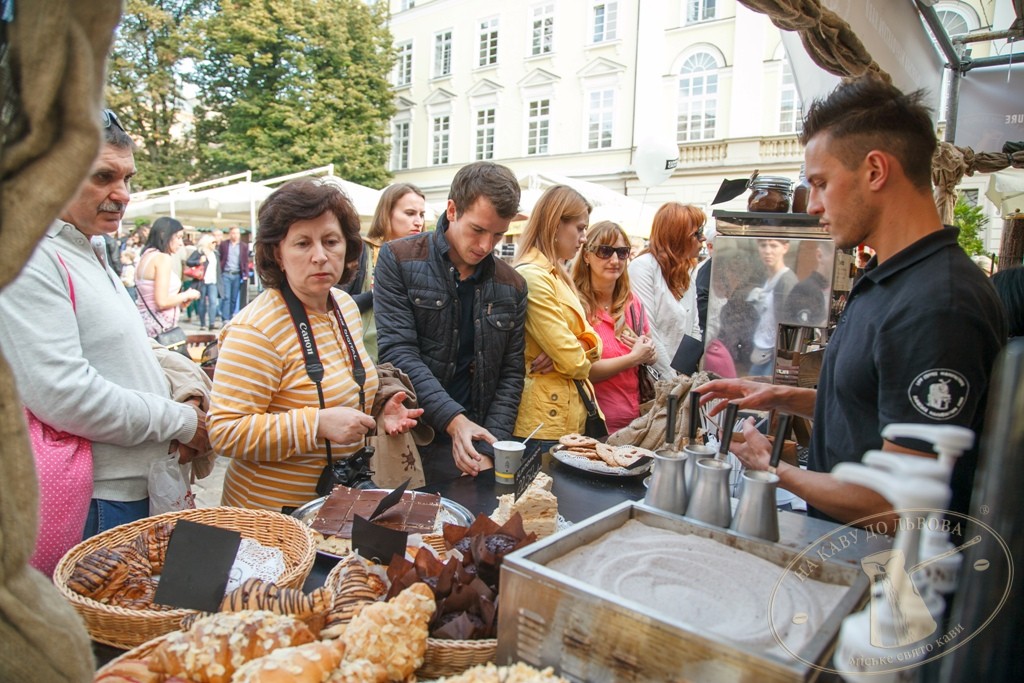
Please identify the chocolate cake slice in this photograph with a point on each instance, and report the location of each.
(415, 513)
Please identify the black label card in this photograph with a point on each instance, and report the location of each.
(527, 471)
(389, 501)
(375, 542)
(199, 559)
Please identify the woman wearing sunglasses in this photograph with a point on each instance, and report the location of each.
(662, 276)
(560, 343)
(618, 318)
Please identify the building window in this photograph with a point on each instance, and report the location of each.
(698, 98)
(484, 147)
(488, 42)
(403, 65)
(400, 146)
(599, 119)
(538, 124)
(543, 30)
(442, 54)
(606, 19)
(439, 151)
(407, 4)
(970, 197)
(790, 108)
(700, 10)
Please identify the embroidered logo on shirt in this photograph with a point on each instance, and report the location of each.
(939, 394)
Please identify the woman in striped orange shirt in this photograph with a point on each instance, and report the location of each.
(265, 411)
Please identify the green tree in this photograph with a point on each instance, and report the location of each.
(287, 85)
(970, 220)
(144, 87)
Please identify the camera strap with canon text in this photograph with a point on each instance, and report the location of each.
(307, 344)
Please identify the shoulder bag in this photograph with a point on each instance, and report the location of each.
(353, 471)
(595, 426)
(645, 374)
(173, 338)
(64, 471)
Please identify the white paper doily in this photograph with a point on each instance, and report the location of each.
(255, 560)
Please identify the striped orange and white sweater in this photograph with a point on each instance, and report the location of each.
(264, 409)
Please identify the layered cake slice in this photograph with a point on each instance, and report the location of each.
(538, 507)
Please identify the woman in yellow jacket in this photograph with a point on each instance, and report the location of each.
(561, 344)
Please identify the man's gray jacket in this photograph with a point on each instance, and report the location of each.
(418, 315)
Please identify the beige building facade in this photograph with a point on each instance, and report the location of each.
(575, 87)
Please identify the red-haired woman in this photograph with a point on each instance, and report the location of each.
(662, 277)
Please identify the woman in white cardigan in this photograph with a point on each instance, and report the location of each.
(662, 277)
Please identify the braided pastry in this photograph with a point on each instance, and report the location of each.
(218, 645)
(257, 594)
(135, 593)
(355, 592)
(102, 572)
(152, 544)
(309, 663)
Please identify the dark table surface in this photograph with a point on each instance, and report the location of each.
(580, 495)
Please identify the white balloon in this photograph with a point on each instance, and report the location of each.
(656, 160)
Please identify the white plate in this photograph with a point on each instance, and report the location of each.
(596, 466)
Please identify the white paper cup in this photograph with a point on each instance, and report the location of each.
(508, 456)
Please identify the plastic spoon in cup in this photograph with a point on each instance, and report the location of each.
(781, 429)
(728, 423)
(536, 429)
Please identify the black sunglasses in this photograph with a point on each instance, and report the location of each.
(605, 251)
(109, 118)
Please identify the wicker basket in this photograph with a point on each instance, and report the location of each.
(139, 652)
(126, 628)
(452, 657)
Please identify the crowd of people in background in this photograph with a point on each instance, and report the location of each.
(485, 349)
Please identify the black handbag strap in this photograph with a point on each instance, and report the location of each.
(153, 315)
(587, 403)
(311, 358)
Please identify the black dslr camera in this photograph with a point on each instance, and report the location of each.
(353, 472)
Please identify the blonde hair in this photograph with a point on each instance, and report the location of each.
(205, 243)
(558, 203)
(603, 232)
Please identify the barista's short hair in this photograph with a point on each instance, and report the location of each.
(869, 114)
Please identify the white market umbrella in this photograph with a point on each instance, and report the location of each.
(1006, 190)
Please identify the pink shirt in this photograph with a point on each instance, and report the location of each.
(618, 396)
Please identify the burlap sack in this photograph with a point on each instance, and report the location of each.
(650, 429)
(52, 77)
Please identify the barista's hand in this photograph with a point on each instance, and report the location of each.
(542, 364)
(745, 393)
(342, 425)
(464, 432)
(755, 450)
(397, 419)
(643, 351)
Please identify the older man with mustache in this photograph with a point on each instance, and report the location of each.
(79, 351)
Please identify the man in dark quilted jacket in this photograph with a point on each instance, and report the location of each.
(450, 314)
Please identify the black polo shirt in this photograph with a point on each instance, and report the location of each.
(915, 343)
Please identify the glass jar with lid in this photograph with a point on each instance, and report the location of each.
(770, 193)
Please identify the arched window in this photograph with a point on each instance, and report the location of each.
(698, 98)
(957, 19)
(790, 107)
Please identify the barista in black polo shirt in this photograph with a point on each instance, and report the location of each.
(921, 329)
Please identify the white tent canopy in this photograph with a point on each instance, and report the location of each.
(1006, 190)
(634, 216)
(222, 202)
